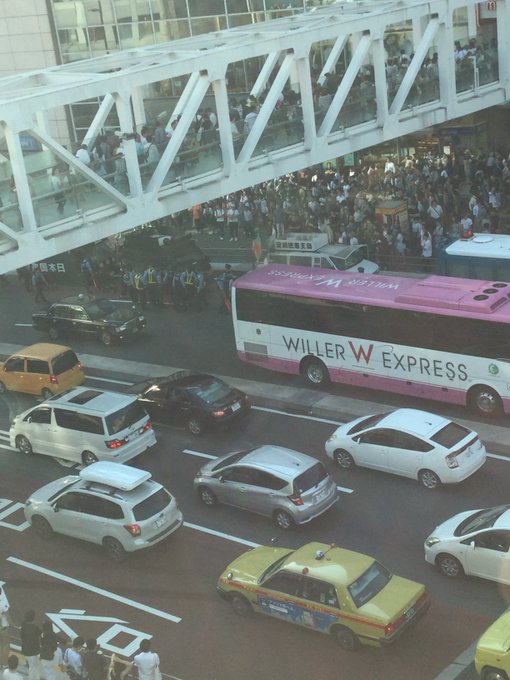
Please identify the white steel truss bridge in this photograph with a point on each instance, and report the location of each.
(321, 85)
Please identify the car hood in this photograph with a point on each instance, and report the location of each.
(394, 599)
(49, 490)
(249, 566)
(120, 314)
(497, 637)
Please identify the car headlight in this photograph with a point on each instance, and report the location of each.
(432, 540)
(122, 328)
(27, 503)
(333, 436)
(141, 318)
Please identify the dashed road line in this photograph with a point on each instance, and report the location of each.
(300, 416)
(220, 534)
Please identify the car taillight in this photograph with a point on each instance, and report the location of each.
(452, 461)
(53, 379)
(134, 529)
(79, 366)
(115, 443)
(218, 414)
(147, 426)
(296, 499)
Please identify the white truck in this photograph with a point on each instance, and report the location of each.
(313, 250)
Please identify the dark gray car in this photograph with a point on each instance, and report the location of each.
(286, 485)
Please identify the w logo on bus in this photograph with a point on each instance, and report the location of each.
(360, 351)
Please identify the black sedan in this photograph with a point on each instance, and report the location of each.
(195, 401)
(88, 315)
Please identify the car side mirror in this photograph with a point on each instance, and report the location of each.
(472, 544)
(221, 479)
(55, 508)
(357, 439)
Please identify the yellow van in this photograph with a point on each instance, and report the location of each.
(492, 656)
(42, 369)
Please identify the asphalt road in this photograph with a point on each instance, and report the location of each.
(385, 516)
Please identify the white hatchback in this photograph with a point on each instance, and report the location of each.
(476, 543)
(410, 443)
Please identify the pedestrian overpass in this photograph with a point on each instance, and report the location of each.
(321, 87)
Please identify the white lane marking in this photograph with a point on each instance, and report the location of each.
(301, 416)
(190, 452)
(93, 589)
(220, 534)
(110, 380)
(495, 455)
(24, 325)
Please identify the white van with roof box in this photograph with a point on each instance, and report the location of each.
(313, 250)
(85, 425)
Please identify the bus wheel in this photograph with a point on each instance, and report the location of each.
(485, 401)
(315, 372)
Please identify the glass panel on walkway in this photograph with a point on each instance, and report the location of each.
(476, 56)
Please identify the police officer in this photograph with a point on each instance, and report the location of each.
(189, 286)
(139, 289)
(151, 280)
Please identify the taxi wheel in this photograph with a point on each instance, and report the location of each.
(283, 519)
(53, 333)
(46, 393)
(343, 459)
(449, 565)
(195, 425)
(23, 445)
(3, 388)
(42, 527)
(241, 606)
(494, 674)
(346, 639)
(429, 479)
(207, 496)
(106, 338)
(113, 548)
(88, 458)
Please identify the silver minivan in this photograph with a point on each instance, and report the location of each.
(113, 505)
(85, 425)
(288, 486)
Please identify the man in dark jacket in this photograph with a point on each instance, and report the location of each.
(30, 645)
(94, 663)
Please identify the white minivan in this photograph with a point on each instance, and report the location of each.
(85, 425)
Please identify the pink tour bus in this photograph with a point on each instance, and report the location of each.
(440, 337)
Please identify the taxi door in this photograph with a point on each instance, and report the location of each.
(301, 600)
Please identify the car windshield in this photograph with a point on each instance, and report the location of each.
(310, 478)
(267, 573)
(152, 505)
(210, 390)
(229, 460)
(367, 422)
(371, 582)
(125, 417)
(100, 308)
(351, 259)
(483, 519)
(450, 434)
